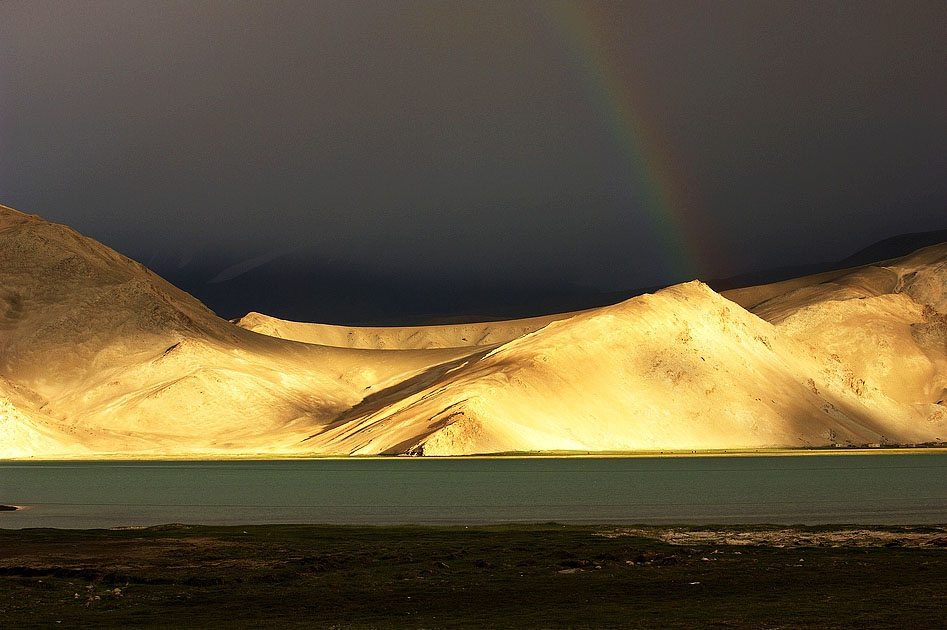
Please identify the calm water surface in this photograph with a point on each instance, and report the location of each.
(843, 488)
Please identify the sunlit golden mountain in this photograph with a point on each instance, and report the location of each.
(99, 357)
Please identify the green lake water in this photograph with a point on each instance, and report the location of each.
(906, 488)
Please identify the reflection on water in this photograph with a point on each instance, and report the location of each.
(834, 488)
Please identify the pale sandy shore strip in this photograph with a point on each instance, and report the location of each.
(515, 455)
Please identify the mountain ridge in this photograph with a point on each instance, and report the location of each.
(100, 357)
(343, 293)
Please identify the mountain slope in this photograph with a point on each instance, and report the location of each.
(101, 357)
(25, 431)
(398, 337)
(681, 369)
(121, 361)
(885, 321)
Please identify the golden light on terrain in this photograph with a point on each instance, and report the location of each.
(100, 357)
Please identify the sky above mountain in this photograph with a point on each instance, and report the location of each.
(609, 145)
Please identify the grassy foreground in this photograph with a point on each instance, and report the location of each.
(517, 576)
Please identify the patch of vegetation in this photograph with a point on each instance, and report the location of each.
(517, 576)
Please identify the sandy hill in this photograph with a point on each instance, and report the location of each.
(101, 357)
(681, 369)
(398, 337)
(104, 356)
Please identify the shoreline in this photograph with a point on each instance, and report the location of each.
(505, 576)
(736, 452)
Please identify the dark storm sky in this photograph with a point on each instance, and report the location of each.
(481, 139)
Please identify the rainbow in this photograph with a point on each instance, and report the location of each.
(667, 195)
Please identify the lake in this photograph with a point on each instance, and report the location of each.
(874, 488)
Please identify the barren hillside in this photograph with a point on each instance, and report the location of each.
(101, 357)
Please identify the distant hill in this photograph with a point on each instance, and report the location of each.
(894, 247)
(340, 293)
(304, 287)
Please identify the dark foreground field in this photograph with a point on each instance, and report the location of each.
(529, 576)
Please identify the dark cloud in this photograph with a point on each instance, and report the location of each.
(431, 139)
